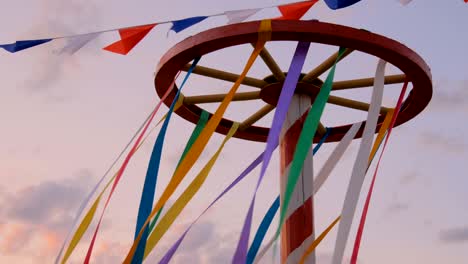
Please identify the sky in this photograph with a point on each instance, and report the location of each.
(66, 118)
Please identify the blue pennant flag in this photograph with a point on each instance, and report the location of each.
(23, 44)
(337, 4)
(180, 25)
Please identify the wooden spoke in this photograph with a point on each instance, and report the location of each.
(271, 64)
(366, 82)
(353, 104)
(256, 116)
(327, 64)
(214, 98)
(321, 130)
(225, 76)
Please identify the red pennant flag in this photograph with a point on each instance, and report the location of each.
(296, 10)
(129, 38)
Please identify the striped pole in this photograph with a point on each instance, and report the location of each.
(298, 231)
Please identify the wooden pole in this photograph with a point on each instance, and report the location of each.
(298, 230)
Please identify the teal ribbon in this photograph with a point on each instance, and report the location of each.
(195, 133)
(149, 187)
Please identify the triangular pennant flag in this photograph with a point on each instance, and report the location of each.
(240, 15)
(337, 4)
(23, 44)
(130, 37)
(296, 10)
(405, 2)
(77, 42)
(182, 24)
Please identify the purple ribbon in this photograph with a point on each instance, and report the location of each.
(170, 253)
(285, 98)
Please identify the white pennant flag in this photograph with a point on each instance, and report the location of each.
(405, 2)
(77, 42)
(240, 15)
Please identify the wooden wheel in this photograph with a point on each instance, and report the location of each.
(412, 66)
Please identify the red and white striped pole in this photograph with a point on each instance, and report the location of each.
(298, 231)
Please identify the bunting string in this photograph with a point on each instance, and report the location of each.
(130, 36)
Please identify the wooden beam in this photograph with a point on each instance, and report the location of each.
(256, 116)
(324, 66)
(353, 104)
(225, 76)
(271, 64)
(214, 98)
(321, 130)
(367, 82)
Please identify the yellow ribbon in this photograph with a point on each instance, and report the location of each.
(319, 239)
(185, 197)
(380, 136)
(83, 227)
(194, 152)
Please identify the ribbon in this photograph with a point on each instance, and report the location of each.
(393, 116)
(305, 140)
(273, 136)
(196, 132)
(149, 186)
(170, 253)
(129, 38)
(122, 169)
(84, 224)
(186, 196)
(324, 172)
(93, 191)
(199, 145)
(317, 241)
(268, 218)
(360, 165)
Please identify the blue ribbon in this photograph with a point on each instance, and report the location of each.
(149, 187)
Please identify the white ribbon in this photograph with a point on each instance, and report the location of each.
(325, 171)
(360, 165)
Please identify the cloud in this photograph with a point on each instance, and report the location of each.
(408, 178)
(397, 207)
(442, 142)
(450, 95)
(454, 235)
(34, 219)
(57, 18)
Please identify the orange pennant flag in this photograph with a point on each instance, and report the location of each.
(129, 38)
(296, 10)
